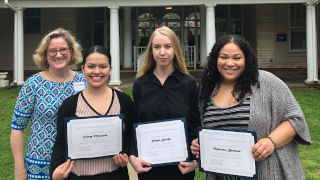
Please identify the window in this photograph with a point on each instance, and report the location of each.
(171, 16)
(101, 20)
(297, 27)
(228, 19)
(191, 24)
(31, 21)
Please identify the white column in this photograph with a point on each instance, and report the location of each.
(314, 44)
(114, 46)
(312, 61)
(127, 38)
(203, 48)
(15, 47)
(210, 27)
(19, 56)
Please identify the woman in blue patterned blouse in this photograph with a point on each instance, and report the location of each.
(39, 100)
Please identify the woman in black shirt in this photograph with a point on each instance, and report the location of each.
(164, 90)
(96, 100)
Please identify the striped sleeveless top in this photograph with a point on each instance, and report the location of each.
(89, 167)
(234, 117)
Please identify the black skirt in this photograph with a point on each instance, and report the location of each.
(171, 172)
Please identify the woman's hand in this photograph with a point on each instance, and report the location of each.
(121, 159)
(17, 146)
(20, 173)
(118, 89)
(63, 170)
(262, 149)
(186, 167)
(139, 165)
(195, 147)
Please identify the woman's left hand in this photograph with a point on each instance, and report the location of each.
(121, 159)
(195, 147)
(118, 89)
(262, 149)
(186, 167)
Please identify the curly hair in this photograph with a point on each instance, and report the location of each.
(178, 62)
(40, 54)
(212, 77)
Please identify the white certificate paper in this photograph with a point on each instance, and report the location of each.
(93, 137)
(227, 152)
(162, 143)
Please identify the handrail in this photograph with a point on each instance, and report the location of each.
(189, 53)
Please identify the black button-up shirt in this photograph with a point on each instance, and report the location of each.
(177, 97)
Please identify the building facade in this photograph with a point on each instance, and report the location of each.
(284, 33)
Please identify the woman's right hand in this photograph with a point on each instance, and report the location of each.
(121, 159)
(17, 146)
(139, 164)
(63, 170)
(195, 147)
(20, 174)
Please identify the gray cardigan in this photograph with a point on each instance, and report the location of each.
(271, 104)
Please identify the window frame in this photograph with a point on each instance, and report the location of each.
(32, 18)
(296, 28)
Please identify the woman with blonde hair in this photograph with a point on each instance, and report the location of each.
(164, 90)
(178, 62)
(39, 100)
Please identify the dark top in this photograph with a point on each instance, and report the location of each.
(177, 97)
(68, 109)
(191, 40)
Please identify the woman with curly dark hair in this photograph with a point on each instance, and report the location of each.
(234, 94)
(213, 78)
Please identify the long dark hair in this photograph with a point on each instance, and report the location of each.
(98, 49)
(212, 77)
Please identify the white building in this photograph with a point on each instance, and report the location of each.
(284, 33)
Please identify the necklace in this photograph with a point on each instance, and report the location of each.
(60, 83)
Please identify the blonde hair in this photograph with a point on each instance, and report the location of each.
(178, 61)
(40, 54)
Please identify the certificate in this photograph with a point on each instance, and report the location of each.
(162, 142)
(227, 152)
(93, 137)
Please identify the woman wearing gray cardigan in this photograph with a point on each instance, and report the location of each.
(234, 94)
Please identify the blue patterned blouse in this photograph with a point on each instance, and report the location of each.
(39, 100)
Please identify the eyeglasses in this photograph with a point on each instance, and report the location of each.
(62, 51)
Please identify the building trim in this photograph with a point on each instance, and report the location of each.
(139, 3)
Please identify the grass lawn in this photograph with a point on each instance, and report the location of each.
(309, 101)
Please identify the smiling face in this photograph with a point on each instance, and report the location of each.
(162, 51)
(97, 69)
(231, 62)
(60, 59)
